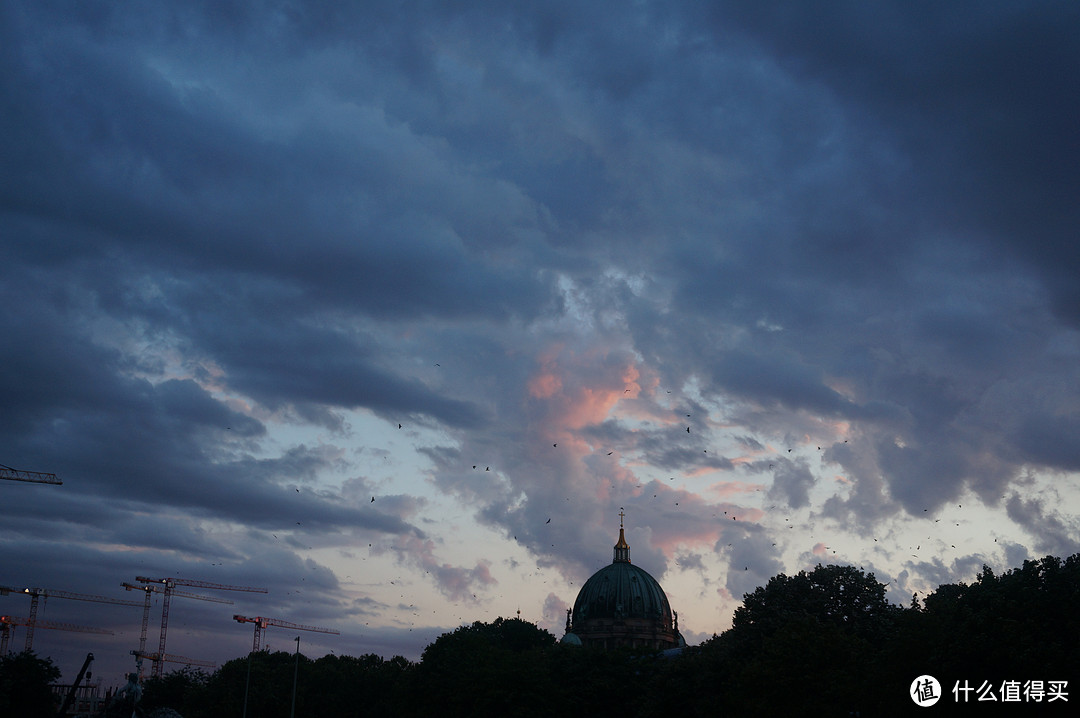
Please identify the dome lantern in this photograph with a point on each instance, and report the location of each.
(622, 549)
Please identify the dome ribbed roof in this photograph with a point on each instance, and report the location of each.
(621, 590)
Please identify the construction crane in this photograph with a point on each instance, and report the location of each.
(37, 477)
(7, 621)
(261, 623)
(150, 589)
(169, 584)
(158, 658)
(36, 593)
(70, 698)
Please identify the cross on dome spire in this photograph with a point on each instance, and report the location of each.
(622, 549)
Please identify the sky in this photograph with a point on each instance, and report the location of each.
(389, 309)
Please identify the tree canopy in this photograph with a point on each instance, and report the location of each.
(821, 642)
(24, 685)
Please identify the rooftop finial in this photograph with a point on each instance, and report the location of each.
(622, 549)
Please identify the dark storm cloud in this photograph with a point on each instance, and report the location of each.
(1052, 531)
(1051, 441)
(792, 482)
(768, 379)
(981, 94)
(533, 236)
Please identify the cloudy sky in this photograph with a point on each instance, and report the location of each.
(347, 304)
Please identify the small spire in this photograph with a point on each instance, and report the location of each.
(622, 549)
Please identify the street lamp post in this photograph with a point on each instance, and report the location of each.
(296, 671)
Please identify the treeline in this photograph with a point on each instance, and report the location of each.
(820, 643)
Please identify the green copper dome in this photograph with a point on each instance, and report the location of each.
(621, 605)
(622, 590)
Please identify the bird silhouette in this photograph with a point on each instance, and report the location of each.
(548, 521)
(372, 499)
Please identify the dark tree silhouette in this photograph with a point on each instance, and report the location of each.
(821, 642)
(24, 685)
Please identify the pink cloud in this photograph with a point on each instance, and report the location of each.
(727, 489)
(580, 390)
(544, 385)
(554, 614)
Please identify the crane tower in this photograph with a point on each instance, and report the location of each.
(168, 585)
(150, 589)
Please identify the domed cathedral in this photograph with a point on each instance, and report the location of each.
(621, 605)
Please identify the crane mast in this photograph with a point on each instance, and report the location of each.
(261, 623)
(169, 584)
(150, 589)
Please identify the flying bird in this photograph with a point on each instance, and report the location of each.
(548, 521)
(372, 499)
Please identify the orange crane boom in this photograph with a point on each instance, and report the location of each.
(7, 621)
(36, 477)
(261, 623)
(169, 584)
(36, 593)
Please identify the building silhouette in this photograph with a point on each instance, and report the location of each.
(622, 606)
